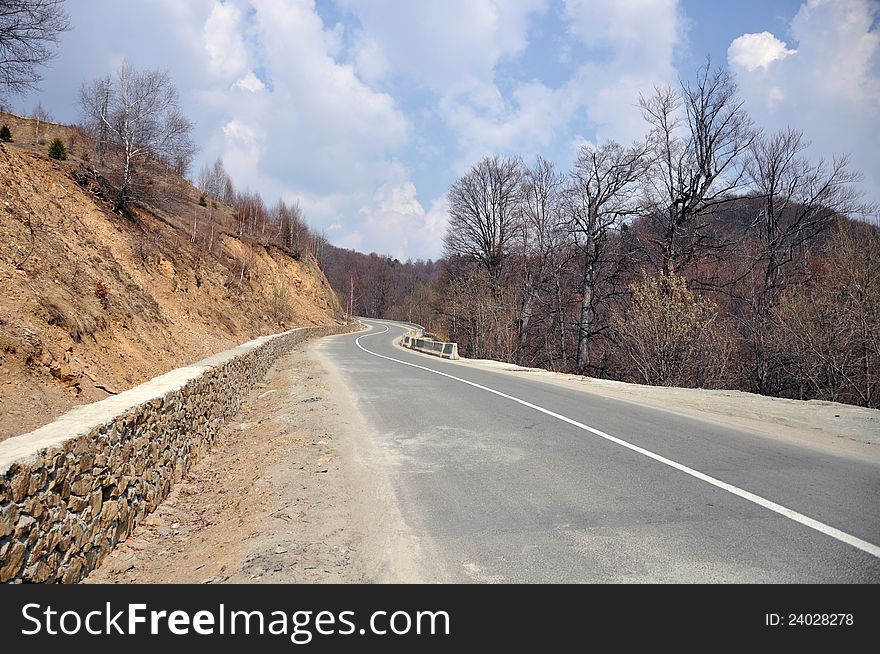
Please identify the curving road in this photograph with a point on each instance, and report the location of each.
(506, 479)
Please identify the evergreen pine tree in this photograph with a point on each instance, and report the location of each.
(57, 150)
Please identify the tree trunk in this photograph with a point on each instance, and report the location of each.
(122, 196)
(560, 308)
(669, 246)
(762, 372)
(525, 319)
(767, 301)
(588, 313)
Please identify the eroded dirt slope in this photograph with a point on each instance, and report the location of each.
(92, 303)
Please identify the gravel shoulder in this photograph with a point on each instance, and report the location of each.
(291, 492)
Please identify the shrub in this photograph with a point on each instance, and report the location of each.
(282, 304)
(671, 337)
(101, 294)
(57, 150)
(825, 335)
(202, 201)
(5, 134)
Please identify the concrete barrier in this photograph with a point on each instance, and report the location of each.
(416, 341)
(73, 489)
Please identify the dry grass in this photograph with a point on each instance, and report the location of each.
(79, 321)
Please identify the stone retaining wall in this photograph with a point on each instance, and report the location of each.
(71, 490)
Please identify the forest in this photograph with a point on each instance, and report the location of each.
(708, 254)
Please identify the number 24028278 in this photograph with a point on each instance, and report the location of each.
(809, 620)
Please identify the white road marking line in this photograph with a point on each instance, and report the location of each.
(791, 514)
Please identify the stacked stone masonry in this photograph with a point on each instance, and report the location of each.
(72, 490)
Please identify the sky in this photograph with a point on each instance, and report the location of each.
(366, 111)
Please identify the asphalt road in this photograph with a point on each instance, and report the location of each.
(507, 479)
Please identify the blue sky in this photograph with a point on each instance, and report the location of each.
(365, 111)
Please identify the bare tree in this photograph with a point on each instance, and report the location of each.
(542, 238)
(40, 116)
(100, 92)
(853, 276)
(181, 163)
(484, 213)
(205, 182)
(228, 195)
(251, 214)
(601, 192)
(798, 201)
(826, 333)
(140, 111)
(29, 34)
(482, 313)
(294, 231)
(698, 136)
(215, 182)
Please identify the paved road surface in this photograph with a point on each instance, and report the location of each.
(539, 490)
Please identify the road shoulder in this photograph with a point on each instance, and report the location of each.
(285, 495)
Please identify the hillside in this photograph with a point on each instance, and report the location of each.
(92, 303)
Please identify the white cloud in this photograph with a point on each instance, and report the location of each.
(250, 82)
(839, 41)
(452, 48)
(308, 128)
(240, 133)
(370, 62)
(529, 122)
(399, 199)
(224, 45)
(830, 88)
(338, 124)
(752, 51)
(185, 19)
(774, 96)
(392, 220)
(640, 32)
(242, 146)
(397, 218)
(446, 45)
(638, 39)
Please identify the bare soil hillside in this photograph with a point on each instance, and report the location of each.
(93, 303)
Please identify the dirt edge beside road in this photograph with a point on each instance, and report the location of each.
(291, 492)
